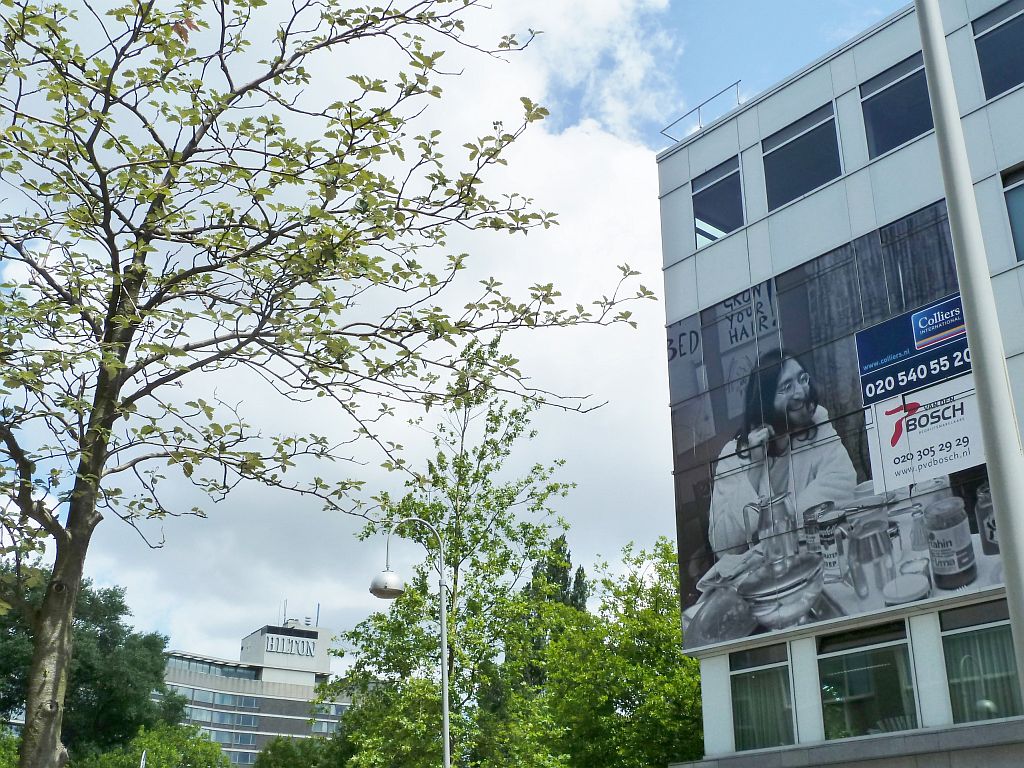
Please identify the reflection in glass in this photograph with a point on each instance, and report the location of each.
(898, 113)
(802, 165)
(917, 254)
(762, 708)
(982, 674)
(1014, 192)
(717, 202)
(1001, 56)
(867, 692)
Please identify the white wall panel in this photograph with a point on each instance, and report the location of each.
(680, 290)
(809, 227)
(844, 73)
(1010, 308)
(889, 46)
(978, 137)
(966, 76)
(673, 171)
(755, 199)
(861, 203)
(1004, 117)
(722, 269)
(716, 698)
(759, 251)
(803, 661)
(929, 671)
(714, 148)
(677, 235)
(795, 100)
(954, 14)
(976, 8)
(748, 128)
(852, 144)
(995, 225)
(907, 180)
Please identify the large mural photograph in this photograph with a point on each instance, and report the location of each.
(827, 455)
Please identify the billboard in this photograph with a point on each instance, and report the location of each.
(827, 457)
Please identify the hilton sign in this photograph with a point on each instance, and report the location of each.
(294, 646)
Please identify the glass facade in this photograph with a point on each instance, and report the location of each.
(717, 202)
(896, 107)
(801, 157)
(762, 702)
(999, 39)
(867, 683)
(980, 665)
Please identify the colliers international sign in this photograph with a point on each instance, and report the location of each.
(293, 646)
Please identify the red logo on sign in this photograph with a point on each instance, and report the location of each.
(907, 409)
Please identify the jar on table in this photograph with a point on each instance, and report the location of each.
(985, 515)
(949, 543)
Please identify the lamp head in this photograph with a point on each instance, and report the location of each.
(387, 585)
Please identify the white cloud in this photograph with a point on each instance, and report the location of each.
(217, 579)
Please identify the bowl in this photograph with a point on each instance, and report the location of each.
(781, 594)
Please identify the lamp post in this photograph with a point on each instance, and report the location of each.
(388, 585)
(1003, 451)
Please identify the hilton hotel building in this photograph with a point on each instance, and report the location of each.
(268, 692)
(799, 229)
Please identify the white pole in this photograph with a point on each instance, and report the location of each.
(444, 654)
(999, 427)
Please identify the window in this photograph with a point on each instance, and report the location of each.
(243, 758)
(866, 681)
(717, 202)
(801, 157)
(999, 39)
(1013, 190)
(762, 704)
(980, 666)
(324, 726)
(896, 106)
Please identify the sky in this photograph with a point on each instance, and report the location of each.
(612, 73)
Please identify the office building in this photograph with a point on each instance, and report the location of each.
(840, 574)
(268, 692)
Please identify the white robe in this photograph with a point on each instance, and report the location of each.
(819, 470)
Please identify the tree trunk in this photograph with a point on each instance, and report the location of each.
(41, 746)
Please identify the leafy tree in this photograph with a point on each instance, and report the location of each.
(617, 681)
(184, 197)
(283, 752)
(113, 673)
(494, 529)
(165, 746)
(8, 750)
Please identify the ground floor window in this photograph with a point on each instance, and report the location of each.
(762, 702)
(867, 684)
(980, 665)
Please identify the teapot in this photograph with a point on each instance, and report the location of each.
(774, 526)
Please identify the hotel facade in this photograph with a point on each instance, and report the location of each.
(268, 692)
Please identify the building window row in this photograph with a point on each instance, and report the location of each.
(805, 155)
(230, 738)
(210, 668)
(332, 709)
(324, 726)
(201, 715)
(202, 696)
(242, 758)
(867, 683)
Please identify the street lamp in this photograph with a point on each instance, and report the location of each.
(388, 585)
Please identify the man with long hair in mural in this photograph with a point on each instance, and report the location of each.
(785, 444)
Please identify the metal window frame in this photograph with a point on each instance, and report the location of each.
(743, 200)
(839, 151)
